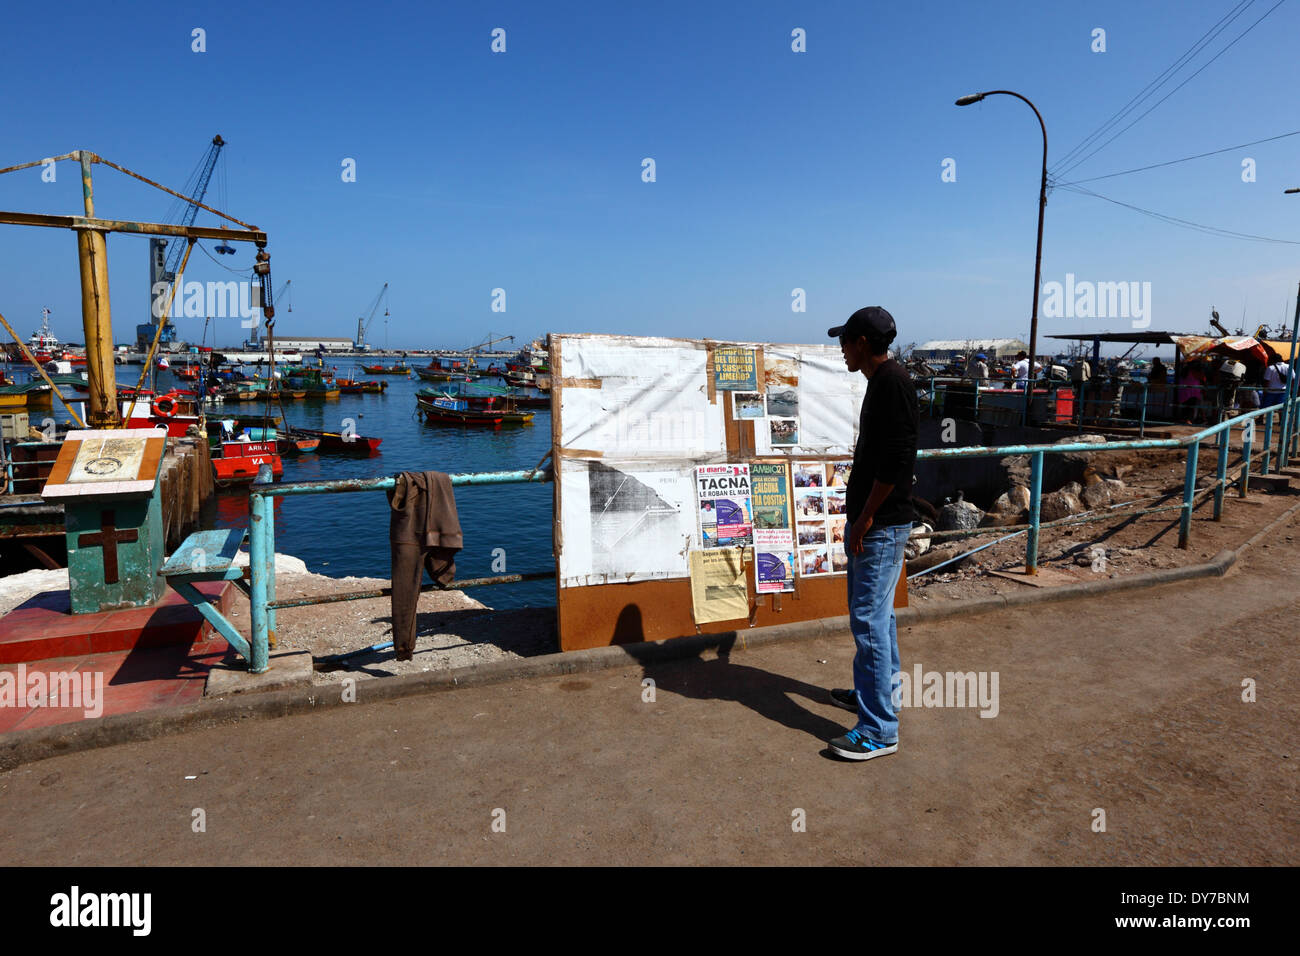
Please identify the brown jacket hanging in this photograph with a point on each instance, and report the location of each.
(423, 533)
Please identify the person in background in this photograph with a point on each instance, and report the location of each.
(1190, 393)
(1080, 374)
(1275, 378)
(1021, 369)
(1159, 375)
(977, 369)
(1231, 372)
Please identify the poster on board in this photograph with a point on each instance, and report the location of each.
(726, 519)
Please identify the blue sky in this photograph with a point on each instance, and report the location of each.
(775, 170)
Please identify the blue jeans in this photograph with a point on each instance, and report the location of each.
(873, 575)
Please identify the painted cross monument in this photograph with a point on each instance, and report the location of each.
(108, 483)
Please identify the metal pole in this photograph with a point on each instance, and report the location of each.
(1035, 499)
(1288, 413)
(258, 505)
(1268, 444)
(1221, 474)
(96, 320)
(1247, 436)
(1142, 421)
(1189, 494)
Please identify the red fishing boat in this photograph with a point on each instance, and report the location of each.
(240, 460)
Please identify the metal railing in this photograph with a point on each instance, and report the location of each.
(261, 547)
(262, 513)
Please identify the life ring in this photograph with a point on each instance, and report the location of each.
(171, 408)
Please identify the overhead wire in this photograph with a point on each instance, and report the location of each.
(1159, 81)
(1185, 159)
(1239, 37)
(1184, 223)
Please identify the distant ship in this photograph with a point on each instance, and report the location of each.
(43, 343)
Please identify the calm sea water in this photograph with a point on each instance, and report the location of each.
(347, 534)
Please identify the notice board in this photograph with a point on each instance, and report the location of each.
(641, 431)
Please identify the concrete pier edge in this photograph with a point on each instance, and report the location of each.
(27, 746)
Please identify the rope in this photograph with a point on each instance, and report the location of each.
(153, 348)
(37, 365)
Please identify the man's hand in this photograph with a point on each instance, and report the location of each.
(858, 532)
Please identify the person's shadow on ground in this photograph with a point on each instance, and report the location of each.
(770, 695)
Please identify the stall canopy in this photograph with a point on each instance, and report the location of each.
(1244, 346)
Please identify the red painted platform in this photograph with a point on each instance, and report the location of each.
(144, 657)
(141, 679)
(44, 626)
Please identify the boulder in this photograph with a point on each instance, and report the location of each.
(1014, 500)
(918, 545)
(1097, 495)
(1057, 505)
(1073, 488)
(959, 515)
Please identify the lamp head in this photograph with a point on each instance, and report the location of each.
(971, 98)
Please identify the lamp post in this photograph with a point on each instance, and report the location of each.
(1038, 254)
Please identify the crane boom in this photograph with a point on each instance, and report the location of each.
(363, 322)
(165, 257)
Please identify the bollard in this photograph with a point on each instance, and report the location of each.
(1035, 498)
(1189, 494)
(1221, 474)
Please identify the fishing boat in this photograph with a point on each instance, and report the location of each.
(175, 410)
(285, 445)
(33, 394)
(337, 442)
(518, 396)
(401, 368)
(240, 460)
(470, 409)
(350, 386)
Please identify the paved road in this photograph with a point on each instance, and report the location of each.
(1132, 705)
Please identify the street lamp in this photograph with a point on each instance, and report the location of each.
(1038, 255)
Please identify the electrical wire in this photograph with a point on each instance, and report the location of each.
(1184, 223)
(1172, 162)
(1239, 37)
(1160, 80)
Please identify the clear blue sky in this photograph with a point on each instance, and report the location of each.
(775, 169)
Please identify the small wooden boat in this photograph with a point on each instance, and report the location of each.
(446, 410)
(337, 442)
(399, 369)
(285, 445)
(470, 407)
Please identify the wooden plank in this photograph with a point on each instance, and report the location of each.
(205, 552)
(63, 464)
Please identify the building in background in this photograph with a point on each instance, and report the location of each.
(312, 344)
(945, 350)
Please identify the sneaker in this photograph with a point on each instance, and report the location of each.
(847, 699)
(855, 746)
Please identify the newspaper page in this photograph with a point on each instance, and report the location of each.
(718, 591)
(773, 538)
(724, 505)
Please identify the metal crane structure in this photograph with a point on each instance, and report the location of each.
(363, 322)
(92, 260)
(165, 254)
(254, 341)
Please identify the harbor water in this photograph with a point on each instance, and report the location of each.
(507, 527)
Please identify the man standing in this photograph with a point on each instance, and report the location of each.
(1022, 369)
(879, 512)
(1275, 377)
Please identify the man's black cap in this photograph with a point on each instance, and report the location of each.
(873, 321)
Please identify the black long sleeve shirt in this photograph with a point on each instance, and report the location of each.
(886, 449)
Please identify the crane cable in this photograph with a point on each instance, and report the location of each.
(153, 348)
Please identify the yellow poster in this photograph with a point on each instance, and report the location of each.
(718, 590)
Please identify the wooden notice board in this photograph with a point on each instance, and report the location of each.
(596, 611)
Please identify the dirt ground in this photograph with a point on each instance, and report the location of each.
(1122, 737)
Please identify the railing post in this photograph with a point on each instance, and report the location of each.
(1189, 494)
(1247, 436)
(258, 506)
(1035, 499)
(1265, 464)
(1222, 473)
(1142, 420)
